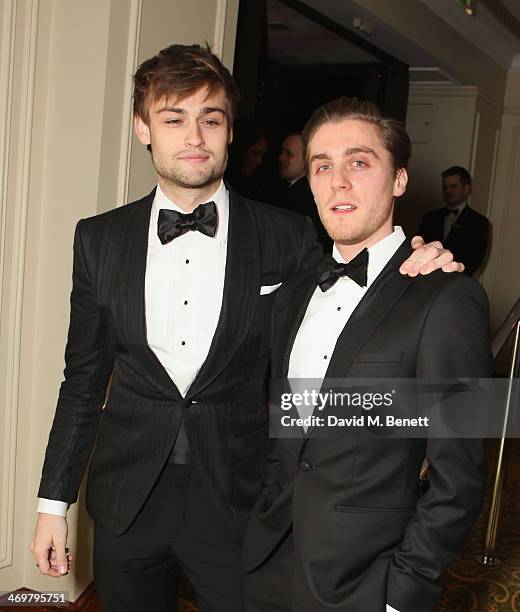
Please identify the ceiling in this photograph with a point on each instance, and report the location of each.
(295, 39)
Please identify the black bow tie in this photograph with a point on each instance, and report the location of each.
(172, 224)
(355, 269)
(451, 211)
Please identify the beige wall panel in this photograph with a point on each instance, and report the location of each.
(483, 157)
(502, 275)
(8, 264)
(512, 94)
(17, 59)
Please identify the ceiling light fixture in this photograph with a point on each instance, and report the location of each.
(469, 6)
(364, 26)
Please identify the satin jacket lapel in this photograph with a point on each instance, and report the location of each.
(241, 292)
(367, 316)
(134, 238)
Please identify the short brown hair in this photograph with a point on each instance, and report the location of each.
(392, 132)
(181, 70)
(462, 173)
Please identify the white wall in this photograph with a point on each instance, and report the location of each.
(65, 119)
(502, 275)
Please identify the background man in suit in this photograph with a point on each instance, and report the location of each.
(459, 227)
(297, 195)
(339, 525)
(172, 298)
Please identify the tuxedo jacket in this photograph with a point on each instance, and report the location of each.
(362, 535)
(467, 239)
(224, 410)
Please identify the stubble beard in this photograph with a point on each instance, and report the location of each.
(358, 232)
(197, 178)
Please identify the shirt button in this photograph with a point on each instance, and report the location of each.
(187, 261)
(183, 343)
(305, 466)
(185, 302)
(339, 308)
(325, 357)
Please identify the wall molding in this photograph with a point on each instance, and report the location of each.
(445, 91)
(14, 193)
(220, 28)
(132, 58)
(7, 38)
(501, 208)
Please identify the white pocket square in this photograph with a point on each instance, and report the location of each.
(266, 289)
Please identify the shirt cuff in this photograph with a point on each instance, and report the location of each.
(52, 506)
(390, 609)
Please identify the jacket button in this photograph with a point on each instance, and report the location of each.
(305, 466)
(186, 403)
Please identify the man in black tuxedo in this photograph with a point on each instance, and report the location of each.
(297, 195)
(339, 525)
(462, 229)
(171, 301)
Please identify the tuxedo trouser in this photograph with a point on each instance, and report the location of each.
(177, 529)
(276, 585)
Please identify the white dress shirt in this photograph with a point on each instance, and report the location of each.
(451, 218)
(326, 316)
(183, 292)
(184, 286)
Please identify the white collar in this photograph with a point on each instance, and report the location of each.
(291, 183)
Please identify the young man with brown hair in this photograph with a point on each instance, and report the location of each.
(339, 525)
(172, 298)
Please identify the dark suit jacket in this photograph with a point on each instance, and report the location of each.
(362, 536)
(298, 198)
(224, 410)
(467, 239)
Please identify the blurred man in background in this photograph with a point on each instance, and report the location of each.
(462, 229)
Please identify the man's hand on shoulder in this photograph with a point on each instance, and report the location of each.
(429, 257)
(48, 545)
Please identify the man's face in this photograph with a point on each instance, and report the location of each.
(454, 192)
(290, 161)
(188, 138)
(353, 182)
(254, 156)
